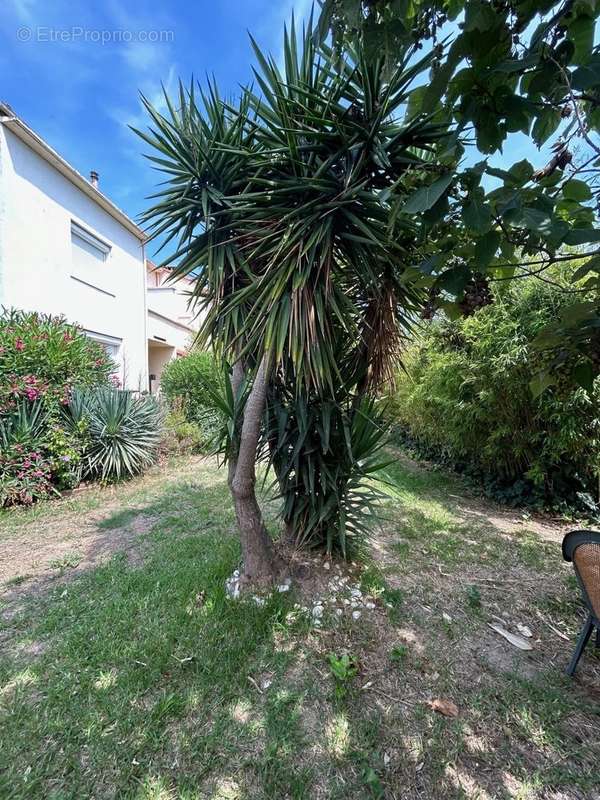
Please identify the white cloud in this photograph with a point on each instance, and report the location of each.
(137, 117)
(147, 66)
(141, 55)
(24, 10)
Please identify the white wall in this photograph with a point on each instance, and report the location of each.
(173, 303)
(158, 358)
(37, 206)
(163, 331)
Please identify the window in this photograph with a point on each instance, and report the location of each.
(111, 344)
(89, 257)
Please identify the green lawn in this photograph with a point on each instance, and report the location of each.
(134, 676)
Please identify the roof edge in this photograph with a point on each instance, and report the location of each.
(158, 315)
(29, 137)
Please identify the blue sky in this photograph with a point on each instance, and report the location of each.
(80, 94)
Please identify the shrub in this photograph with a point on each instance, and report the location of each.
(25, 469)
(465, 400)
(327, 460)
(44, 358)
(122, 432)
(181, 436)
(188, 385)
(325, 457)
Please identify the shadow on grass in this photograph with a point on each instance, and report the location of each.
(139, 672)
(427, 507)
(148, 683)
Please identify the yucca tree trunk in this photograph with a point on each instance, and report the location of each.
(261, 565)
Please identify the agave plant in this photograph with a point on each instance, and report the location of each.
(25, 424)
(122, 431)
(25, 466)
(287, 210)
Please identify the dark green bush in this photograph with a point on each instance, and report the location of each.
(324, 459)
(188, 385)
(327, 458)
(465, 400)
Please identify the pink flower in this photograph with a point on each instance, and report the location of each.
(116, 381)
(19, 344)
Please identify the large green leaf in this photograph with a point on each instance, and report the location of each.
(486, 248)
(424, 198)
(477, 215)
(584, 374)
(540, 382)
(582, 236)
(545, 125)
(575, 189)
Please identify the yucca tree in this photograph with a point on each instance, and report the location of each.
(287, 209)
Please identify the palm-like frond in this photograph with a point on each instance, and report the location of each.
(280, 204)
(122, 431)
(326, 455)
(25, 424)
(284, 206)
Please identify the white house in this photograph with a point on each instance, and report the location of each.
(171, 324)
(65, 248)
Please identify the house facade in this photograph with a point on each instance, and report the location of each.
(66, 249)
(171, 324)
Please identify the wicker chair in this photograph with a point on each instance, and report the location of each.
(583, 549)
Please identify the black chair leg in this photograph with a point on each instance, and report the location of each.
(584, 637)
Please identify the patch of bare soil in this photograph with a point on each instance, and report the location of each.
(74, 541)
(477, 510)
(438, 647)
